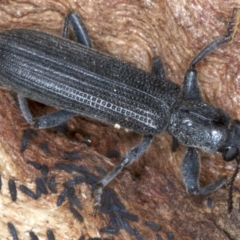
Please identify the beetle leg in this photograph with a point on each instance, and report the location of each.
(50, 120)
(78, 29)
(158, 68)
(190, 172)
(128, 159)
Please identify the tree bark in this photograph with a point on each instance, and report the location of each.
(152, 187)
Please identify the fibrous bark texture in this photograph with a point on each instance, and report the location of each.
(152, 187)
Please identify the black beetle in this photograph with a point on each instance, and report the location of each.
(79, 80)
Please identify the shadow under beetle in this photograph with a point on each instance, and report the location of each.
(77, 79)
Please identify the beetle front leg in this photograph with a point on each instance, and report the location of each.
(47, 121)
(190, 172)
(128, 159)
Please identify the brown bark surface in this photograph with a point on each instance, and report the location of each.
(152, 187)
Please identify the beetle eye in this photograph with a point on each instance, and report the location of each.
(230, 153)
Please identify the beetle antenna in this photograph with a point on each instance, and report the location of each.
(230, 195)
(231, 31)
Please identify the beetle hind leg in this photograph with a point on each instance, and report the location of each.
(47, 121)
(190, 172)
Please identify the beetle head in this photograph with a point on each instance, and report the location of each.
(231, 148)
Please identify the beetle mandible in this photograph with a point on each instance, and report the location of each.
(77, 79)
